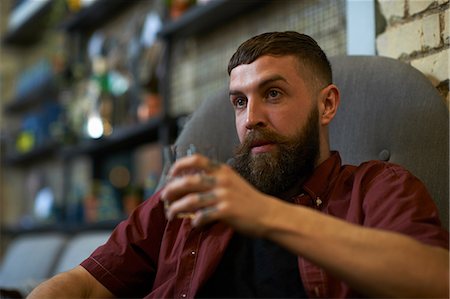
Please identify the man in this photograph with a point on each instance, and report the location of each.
(299, 225)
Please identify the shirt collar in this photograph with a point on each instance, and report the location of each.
(318, 184)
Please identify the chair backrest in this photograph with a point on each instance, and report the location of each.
(79, 248)
(389, 111)
(29, 259)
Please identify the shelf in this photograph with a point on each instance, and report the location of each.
(30, 30)
(121, 138)
(39, 153)
(95, 15)
(38, 95)
(202, 18)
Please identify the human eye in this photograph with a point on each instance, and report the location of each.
(239, 102)
(273, 94)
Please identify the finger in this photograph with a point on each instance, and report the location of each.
(180, 186)
(206, 197)
(204, 216)
(187, 165)
(191, 203)
(208, 180)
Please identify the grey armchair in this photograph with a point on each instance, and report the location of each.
(29, 260)
(33, 258)
(389, 111)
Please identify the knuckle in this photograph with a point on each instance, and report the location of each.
(196, 158)
(190, 181)
(224, 208)
(192, 200)
(222, 193)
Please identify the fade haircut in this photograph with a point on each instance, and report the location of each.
(310, 56)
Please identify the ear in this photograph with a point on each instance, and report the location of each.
(329, 100)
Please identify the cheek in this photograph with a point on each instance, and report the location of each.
(240, 128)
(287, 124)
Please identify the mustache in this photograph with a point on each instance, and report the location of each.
(260, 135)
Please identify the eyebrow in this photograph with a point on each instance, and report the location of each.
(263, 83)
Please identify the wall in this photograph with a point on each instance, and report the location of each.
(199, 63)
(417, 32)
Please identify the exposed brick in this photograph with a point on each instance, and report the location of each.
(435, 66)
(392, 9)
(431, 35)
(416, 6)
(415, 36)
(400, 39)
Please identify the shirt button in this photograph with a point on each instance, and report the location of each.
(183, 295)
(193, 252)
(318, 202)
(317, 291)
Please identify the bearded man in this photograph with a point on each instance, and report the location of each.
(286, 218)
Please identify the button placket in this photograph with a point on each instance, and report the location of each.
(187, 263)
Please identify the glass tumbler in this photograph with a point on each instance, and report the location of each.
(172, 153)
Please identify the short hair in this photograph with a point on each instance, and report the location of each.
(303, 47)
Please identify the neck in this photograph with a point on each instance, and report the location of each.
(293, 191)
(297, 188)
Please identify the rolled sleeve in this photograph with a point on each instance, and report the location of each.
(126, 263)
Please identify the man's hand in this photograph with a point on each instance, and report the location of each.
(214, 191)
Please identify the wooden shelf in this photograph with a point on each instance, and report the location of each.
(30, 30)
(206, 17)
(95, 15)
(120, 139)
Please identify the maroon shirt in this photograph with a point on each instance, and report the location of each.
(147, 256)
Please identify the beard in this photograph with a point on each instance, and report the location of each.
(292, 161)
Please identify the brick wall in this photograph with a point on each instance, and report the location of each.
(417, 32)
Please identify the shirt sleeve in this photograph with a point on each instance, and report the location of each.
(126, 263)
(396, 200)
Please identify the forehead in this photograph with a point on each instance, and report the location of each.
(264, 67)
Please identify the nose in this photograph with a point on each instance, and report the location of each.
(255, 115)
